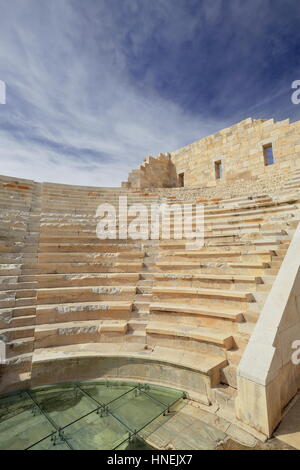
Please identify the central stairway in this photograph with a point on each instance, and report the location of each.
(74, 307)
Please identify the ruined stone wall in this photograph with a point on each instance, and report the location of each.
(226, 189)
(158, 172)
(240, 148)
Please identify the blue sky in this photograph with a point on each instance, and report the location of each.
(95, 86)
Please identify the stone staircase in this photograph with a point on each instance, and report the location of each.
(74, 307)
(19, 233)
(293, 181)
(209, 300)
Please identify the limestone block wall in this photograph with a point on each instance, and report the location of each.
(224, 189)
(240, 148)
(269, 372)
(158, 172)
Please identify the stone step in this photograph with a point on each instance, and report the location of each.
(89, 326)
(235, 228)
(13, 380)
(230, 280)
(293, 183)
(207, 366)
(87, 293)
(142, 297)
(20, 362)
(76, 268)
(212, 244)
(141, 306)
(83, 237)
(135, 324)
(144, 289)
(246, 214)
(80, 311)
(215, 256)
(136, 336)
(214, 267)
(9, 334)
(274, 233)
(144, 283)
(197, 310)
(140, 313)
(204, 293)
(20, 346)
(18, 258)
(25, 293)
(12, 283)
(88, 257)
(200, 334)
(24, 302)
(88, 247)
(85, 279)
(59, 334)
(49, 229)
(250, 265)
(243, 205)
(146, 276)
(13, 322)
(11, 299)
(243, 218)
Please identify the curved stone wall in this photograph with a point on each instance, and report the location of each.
(195, 384)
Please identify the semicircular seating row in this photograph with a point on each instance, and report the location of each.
(73, 307)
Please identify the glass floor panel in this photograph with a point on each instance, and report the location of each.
(104, 393)
(135, 443)
(163, 395)
(66, 406)
(41, 395)
(136, 409)
(48, 444)
(95, 432)
(14, 404)
(87, 415)
(23, 430)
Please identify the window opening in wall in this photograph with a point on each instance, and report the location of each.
(268, 155)
(218, 169)
(181, 180)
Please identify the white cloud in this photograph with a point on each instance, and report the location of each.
(68, 88)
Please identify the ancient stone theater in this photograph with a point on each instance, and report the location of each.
(220, 323)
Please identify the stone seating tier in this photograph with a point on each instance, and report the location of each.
(74, 307)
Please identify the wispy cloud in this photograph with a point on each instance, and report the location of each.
(94, 87)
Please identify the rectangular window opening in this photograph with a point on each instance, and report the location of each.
(268, 155)
(181, 180)
(218, 169)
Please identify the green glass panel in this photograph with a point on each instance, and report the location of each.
(32, 419)
(135, 409)
(12, 405)
(163, 395)
(23, 430)
(105, 393)
(48, 444)
(65, 406)
(95, 432)
(134, 444)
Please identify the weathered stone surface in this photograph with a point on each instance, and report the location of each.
(240, 148)
(74, 307)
